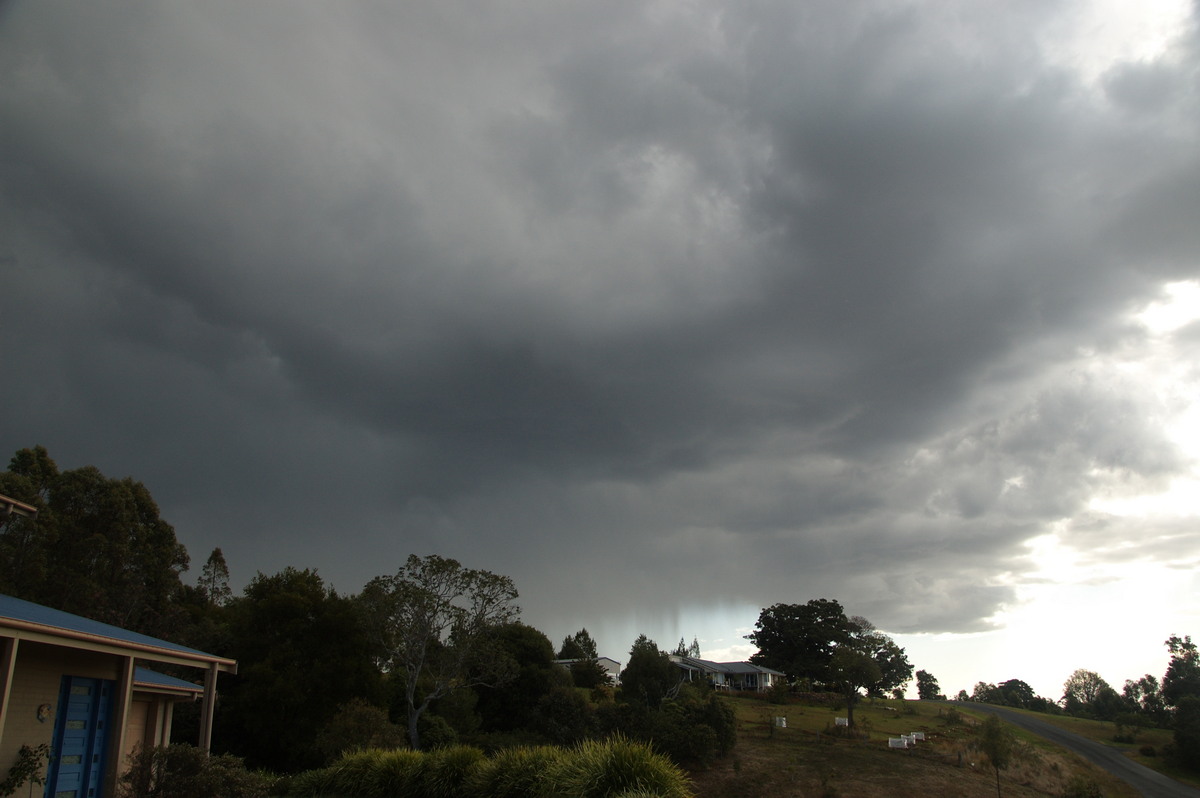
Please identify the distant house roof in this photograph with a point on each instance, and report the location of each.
(695, 663)
(36, 620)
(144, 677)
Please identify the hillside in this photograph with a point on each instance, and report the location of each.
(804, 759)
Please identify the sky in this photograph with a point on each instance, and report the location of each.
(669, 311)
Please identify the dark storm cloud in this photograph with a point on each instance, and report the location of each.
(747, 304)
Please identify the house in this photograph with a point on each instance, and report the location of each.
(610, 666)
(82, 688)
(728, 675)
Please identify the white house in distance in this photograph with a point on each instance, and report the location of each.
(610, 666)
(728, 675)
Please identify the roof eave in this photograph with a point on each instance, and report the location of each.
(42, 633)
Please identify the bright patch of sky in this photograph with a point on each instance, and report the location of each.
(1092, 37)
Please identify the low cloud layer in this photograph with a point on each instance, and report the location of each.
(646, 305)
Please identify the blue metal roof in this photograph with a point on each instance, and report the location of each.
(145, 676)
(21, 610)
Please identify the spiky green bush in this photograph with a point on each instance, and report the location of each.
(517, 772)
(615, 768)
(603, 769)
(446, 771)
(365, 774)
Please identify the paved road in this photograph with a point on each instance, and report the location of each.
(1149, 783)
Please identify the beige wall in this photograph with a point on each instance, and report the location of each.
(36, 681)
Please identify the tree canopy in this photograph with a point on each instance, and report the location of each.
(431, 621)
(292, 678)
(927, 686)
(97, 548)
(650, 675)
(1182, 678)
(802, 639)
(799, 639)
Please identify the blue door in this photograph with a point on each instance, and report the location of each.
(80, 737)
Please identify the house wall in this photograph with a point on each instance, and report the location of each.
(37, 678)
(149, 723)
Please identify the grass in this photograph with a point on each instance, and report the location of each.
(807, 758)
(1104, 731)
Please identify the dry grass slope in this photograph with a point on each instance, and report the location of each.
(807, 759)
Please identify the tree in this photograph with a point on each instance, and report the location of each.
(1146, 696)
(432, 621)
(894, 668)
(97, 548)
(983, 692)
(650, 676)
(1187, 732)
(531, 658)
(1182, 678)
(578, 646)
(684, 650)
(214, 579)
(24, 547)
(585, 670)
(1081, 691)
(997, 743)
(852, 669)
(1014, 693)
(799, 639)
(927, 686)
(303, 653)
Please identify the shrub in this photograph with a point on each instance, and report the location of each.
(358, 726)
(597, 769)
(28, 767)
(184, 771)
(514, 772)
(564, 716)
(778, 694)
(435, 731)
(1082, 787)
(364, 774)
(1147, 750)
(690, 729)
(447, 770)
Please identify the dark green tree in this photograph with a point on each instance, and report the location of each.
(531, 657)
(1187, 732)
(432, 622)
(650, 676)
(996, 741)
(984, 693)
(578, 646)
(303, 653)
(98, 547)
(894, 668)
(25, 543)
(1182, 678)
(799, 639)
(585, 670)
(1013, 693)
(1146, 697)
(214, 579)
(1081, 691)
(853, 668)
(927, 686)
(685, 650)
